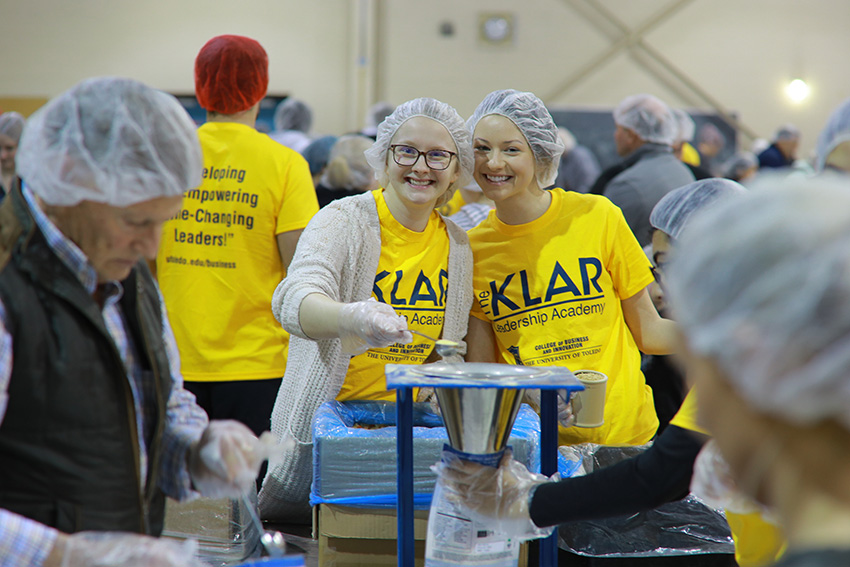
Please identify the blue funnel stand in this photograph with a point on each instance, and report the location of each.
(403, 378)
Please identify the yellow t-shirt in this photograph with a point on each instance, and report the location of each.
(218, 263)
(453, 206)
(412, 278)
(552, 289)
(757, 542)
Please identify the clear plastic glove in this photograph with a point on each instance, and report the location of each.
(712, 482)
(489, 493)
(118, 549)
(226, 460)
(565, 408)
(370, 324)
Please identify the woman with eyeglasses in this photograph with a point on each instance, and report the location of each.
(368, 270)
(559, 278)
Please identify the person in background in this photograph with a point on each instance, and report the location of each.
(682, 147)
(95, 426)
(782, 152)
(833, 145)
(741, 167)
(292, 122)
(475, 209)
(347, 172)
(656, 476)
(646, 130)
(579, 168)
(317, 154)
(11, 126)
(558, 268)
(761, 292)
(226, 249)
(368, 270)
(710, 144)
(377, 114)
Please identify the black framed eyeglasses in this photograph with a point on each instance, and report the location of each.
(408, 155)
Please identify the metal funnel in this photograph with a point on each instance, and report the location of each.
(479, 420)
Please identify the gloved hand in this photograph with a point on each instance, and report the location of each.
(119, 549)
(712, 482)
(500, 494)
(370, 324)
(226, 460)
(565, 408)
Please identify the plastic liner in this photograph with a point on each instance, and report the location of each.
(355, 452)
(685, 527)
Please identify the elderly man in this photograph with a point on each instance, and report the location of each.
(11, 126)
(95, 426)
(646, 130)
(783, 150)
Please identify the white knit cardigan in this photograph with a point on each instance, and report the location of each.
(337, 255)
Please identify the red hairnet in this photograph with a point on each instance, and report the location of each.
(231, 74)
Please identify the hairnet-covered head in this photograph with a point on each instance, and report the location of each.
(531, 116)
(347, 166)
(231, 74)
(835, 133)
(648, 117)
(786, 132)
(317, 152)
(685, 125)
(293, 114)
(11, 125)
(437, 111)
(737, 165)
(674, 211)
(110, 140)
(377, 113)
(761, 286)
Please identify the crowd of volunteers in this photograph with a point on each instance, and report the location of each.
(177, 301)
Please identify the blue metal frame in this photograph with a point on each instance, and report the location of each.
(404, 416)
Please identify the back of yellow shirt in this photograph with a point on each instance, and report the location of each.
(412, 278)
(218, 264)
(757, 542)
(552, 290)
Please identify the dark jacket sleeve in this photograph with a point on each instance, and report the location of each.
(659, 475)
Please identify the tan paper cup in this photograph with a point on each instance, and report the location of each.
(589, 404)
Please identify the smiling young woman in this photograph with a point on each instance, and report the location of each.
(369, 269)
(559, 278)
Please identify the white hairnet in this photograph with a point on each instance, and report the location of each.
(347, 168)
(786, 132)
(429, 108)
(648, 117)
(673, 212)
(761, 285)
(12, 124)
(293, 114)
(109, 140)
(739, 163)
(377, 113)
(836, 132)
(534, 121)
(685, 125)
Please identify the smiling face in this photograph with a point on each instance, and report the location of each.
(417, 186)
(505, 168)
(114, 239)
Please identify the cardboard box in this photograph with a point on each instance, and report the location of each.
(351, 537)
